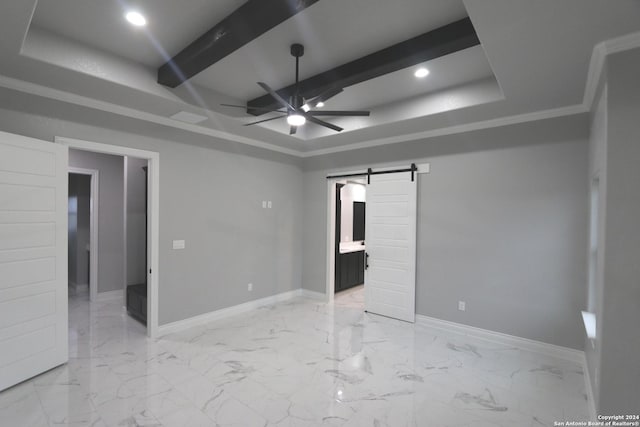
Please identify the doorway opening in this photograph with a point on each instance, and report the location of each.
(349, 242)
(136, 195)
(82, 232)
(132, 229)
(119, 252)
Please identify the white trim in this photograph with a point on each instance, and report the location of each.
(109, 296)
(598, 57)
(330, 265)
(552, 350)
(94, 211)
(306, 293)
(593, 77)
(591, 401)
(125, 230)
(589, 320)
(72, 98)
(235, 310)
(622, 43)
(467, 127)
(153, 215)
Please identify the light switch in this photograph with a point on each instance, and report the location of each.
(269, 204)
(178, 244)
(264, 204)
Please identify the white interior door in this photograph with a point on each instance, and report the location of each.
(33, 257)
(390, 237)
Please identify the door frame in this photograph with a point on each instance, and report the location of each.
(423, 168)
(153, 214)
(94, 211)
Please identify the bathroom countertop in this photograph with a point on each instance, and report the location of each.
(347, 247)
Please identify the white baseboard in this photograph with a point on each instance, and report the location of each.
(306, 293)
(181, 325)
(109, 296)
(591, 401)
(500, 338)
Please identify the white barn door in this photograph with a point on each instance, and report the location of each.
(33, 257)
(390, 228)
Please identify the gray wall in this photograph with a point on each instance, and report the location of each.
(84, 228)
(79, 229)
(502, 226)
(135, 232)
(211, 195)
(110, 215)
(620, 317)
(72, 225)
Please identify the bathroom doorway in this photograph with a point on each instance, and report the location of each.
(349, 241)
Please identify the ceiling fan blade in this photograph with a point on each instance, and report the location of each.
(339, 113)
(293, 130)
(323, 123)
(265, 120)
(249, 108)
(324, 96)
(275, 96)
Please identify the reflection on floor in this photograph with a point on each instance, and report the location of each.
(350, 298)
(297, 363)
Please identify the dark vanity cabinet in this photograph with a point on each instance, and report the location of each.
(137, 302)
(359, 209)
(351, 266)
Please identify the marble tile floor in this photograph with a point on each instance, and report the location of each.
(297, 363)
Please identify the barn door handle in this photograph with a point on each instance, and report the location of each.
(366, 260)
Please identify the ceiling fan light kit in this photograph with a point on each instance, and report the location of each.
(297, 108)
(296, 119)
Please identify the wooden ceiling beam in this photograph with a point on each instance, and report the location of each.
(249, 21)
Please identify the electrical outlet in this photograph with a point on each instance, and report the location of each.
(250, 287)
(462, 306)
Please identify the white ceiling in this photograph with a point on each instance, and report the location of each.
(100, 23)
(534, 56)
(462, 67)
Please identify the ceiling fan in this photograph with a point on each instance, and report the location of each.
(297, 109)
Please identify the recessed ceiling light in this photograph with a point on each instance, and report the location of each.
(296, 119)
(320, 104)
(421, 72)
(136, 18)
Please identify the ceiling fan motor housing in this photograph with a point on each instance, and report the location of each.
(297, 101)
(297, 50)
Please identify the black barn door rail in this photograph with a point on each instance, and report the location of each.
(413, 169)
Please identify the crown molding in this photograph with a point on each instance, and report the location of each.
(72, 98)
(598, 58)
(467, 127)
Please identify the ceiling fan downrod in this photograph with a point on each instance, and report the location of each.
(297, 50)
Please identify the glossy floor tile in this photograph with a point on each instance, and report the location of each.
(297, 363)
